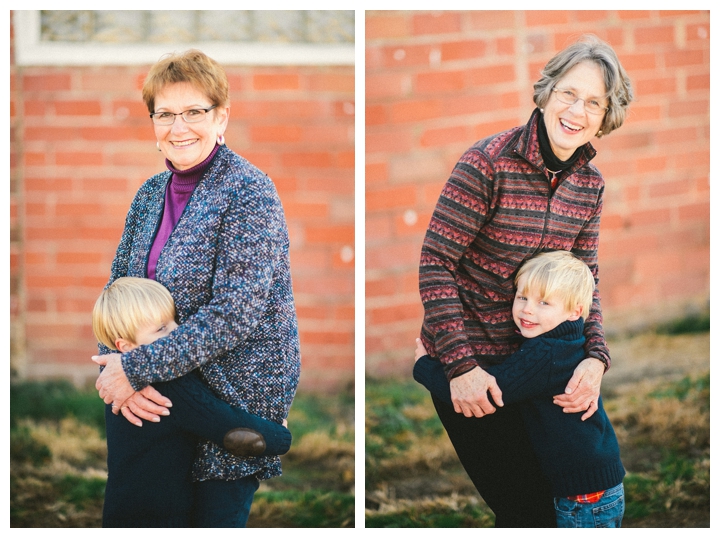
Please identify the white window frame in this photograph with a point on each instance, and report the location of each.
(29, 50)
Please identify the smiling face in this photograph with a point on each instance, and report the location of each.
(188, 144)
(535, 315)
(571, 126)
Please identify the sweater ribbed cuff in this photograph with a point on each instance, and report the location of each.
(459, 367)
(602, 359)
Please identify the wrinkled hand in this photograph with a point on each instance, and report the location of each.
(147, 403)
(469, 393)
(112, 384)
(420, 350)
(583, 389)
(114, 388)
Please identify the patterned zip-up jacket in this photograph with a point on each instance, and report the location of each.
(227, 266)
(496, 210)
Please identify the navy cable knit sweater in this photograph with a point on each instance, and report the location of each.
(578, 457)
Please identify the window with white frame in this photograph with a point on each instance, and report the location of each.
(273, 37)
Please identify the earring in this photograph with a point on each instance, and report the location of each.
(221, 140)
(599, 134)
(157, 145)
(542, 111)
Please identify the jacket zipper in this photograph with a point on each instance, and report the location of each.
(547, 208)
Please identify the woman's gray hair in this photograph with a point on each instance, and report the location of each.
(617, 83)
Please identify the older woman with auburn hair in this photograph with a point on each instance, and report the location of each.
(211, 229)
(513, 194)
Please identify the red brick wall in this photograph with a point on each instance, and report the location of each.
(82, 144)
(438, 81)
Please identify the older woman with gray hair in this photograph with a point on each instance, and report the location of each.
(511, 195)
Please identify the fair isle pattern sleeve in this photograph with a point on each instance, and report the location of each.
(458, 217)
(495, 211)
(227, 266)
(586, 248)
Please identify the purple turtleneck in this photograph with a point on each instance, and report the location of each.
(180, 188)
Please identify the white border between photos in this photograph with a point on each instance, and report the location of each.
(359, 269)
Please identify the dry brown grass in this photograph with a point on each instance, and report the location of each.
(642, 419)
(75, 459)
(58, 466)
(320, 450)
(72, 444)
(658, 402)
(664, 432)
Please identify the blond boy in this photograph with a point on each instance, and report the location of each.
(154, 462)
(581, 459)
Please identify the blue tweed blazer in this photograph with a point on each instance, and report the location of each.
(227, 266)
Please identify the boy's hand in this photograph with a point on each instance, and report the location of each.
(420, 350)
(583, 389)
(469, 393)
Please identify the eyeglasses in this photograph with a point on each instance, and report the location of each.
(190, 116)
(570, 98)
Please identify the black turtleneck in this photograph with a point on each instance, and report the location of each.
(551, 160)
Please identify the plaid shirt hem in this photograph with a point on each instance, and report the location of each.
(588, 498)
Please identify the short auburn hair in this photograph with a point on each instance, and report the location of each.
(128, 304)
(561, 275)
(192, 66)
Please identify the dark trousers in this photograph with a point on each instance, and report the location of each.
(496, 454)
(224, 503)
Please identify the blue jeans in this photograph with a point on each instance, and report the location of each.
(607, 512)
(224, 503)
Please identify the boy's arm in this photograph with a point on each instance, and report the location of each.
(527, 373)
(524, 374)
(431, 375)
(199, 411)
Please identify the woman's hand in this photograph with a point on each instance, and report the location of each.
(583, 389)
(114, 388)
(112, 384)
(469, 393)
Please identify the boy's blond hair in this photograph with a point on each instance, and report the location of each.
(128, 304)
(561, 275)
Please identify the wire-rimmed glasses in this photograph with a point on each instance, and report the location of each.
(193, 115)
(569, 97)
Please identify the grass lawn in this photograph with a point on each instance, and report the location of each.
(414, 479)
(58, 461)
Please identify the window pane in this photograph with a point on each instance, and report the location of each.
(322, 26)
